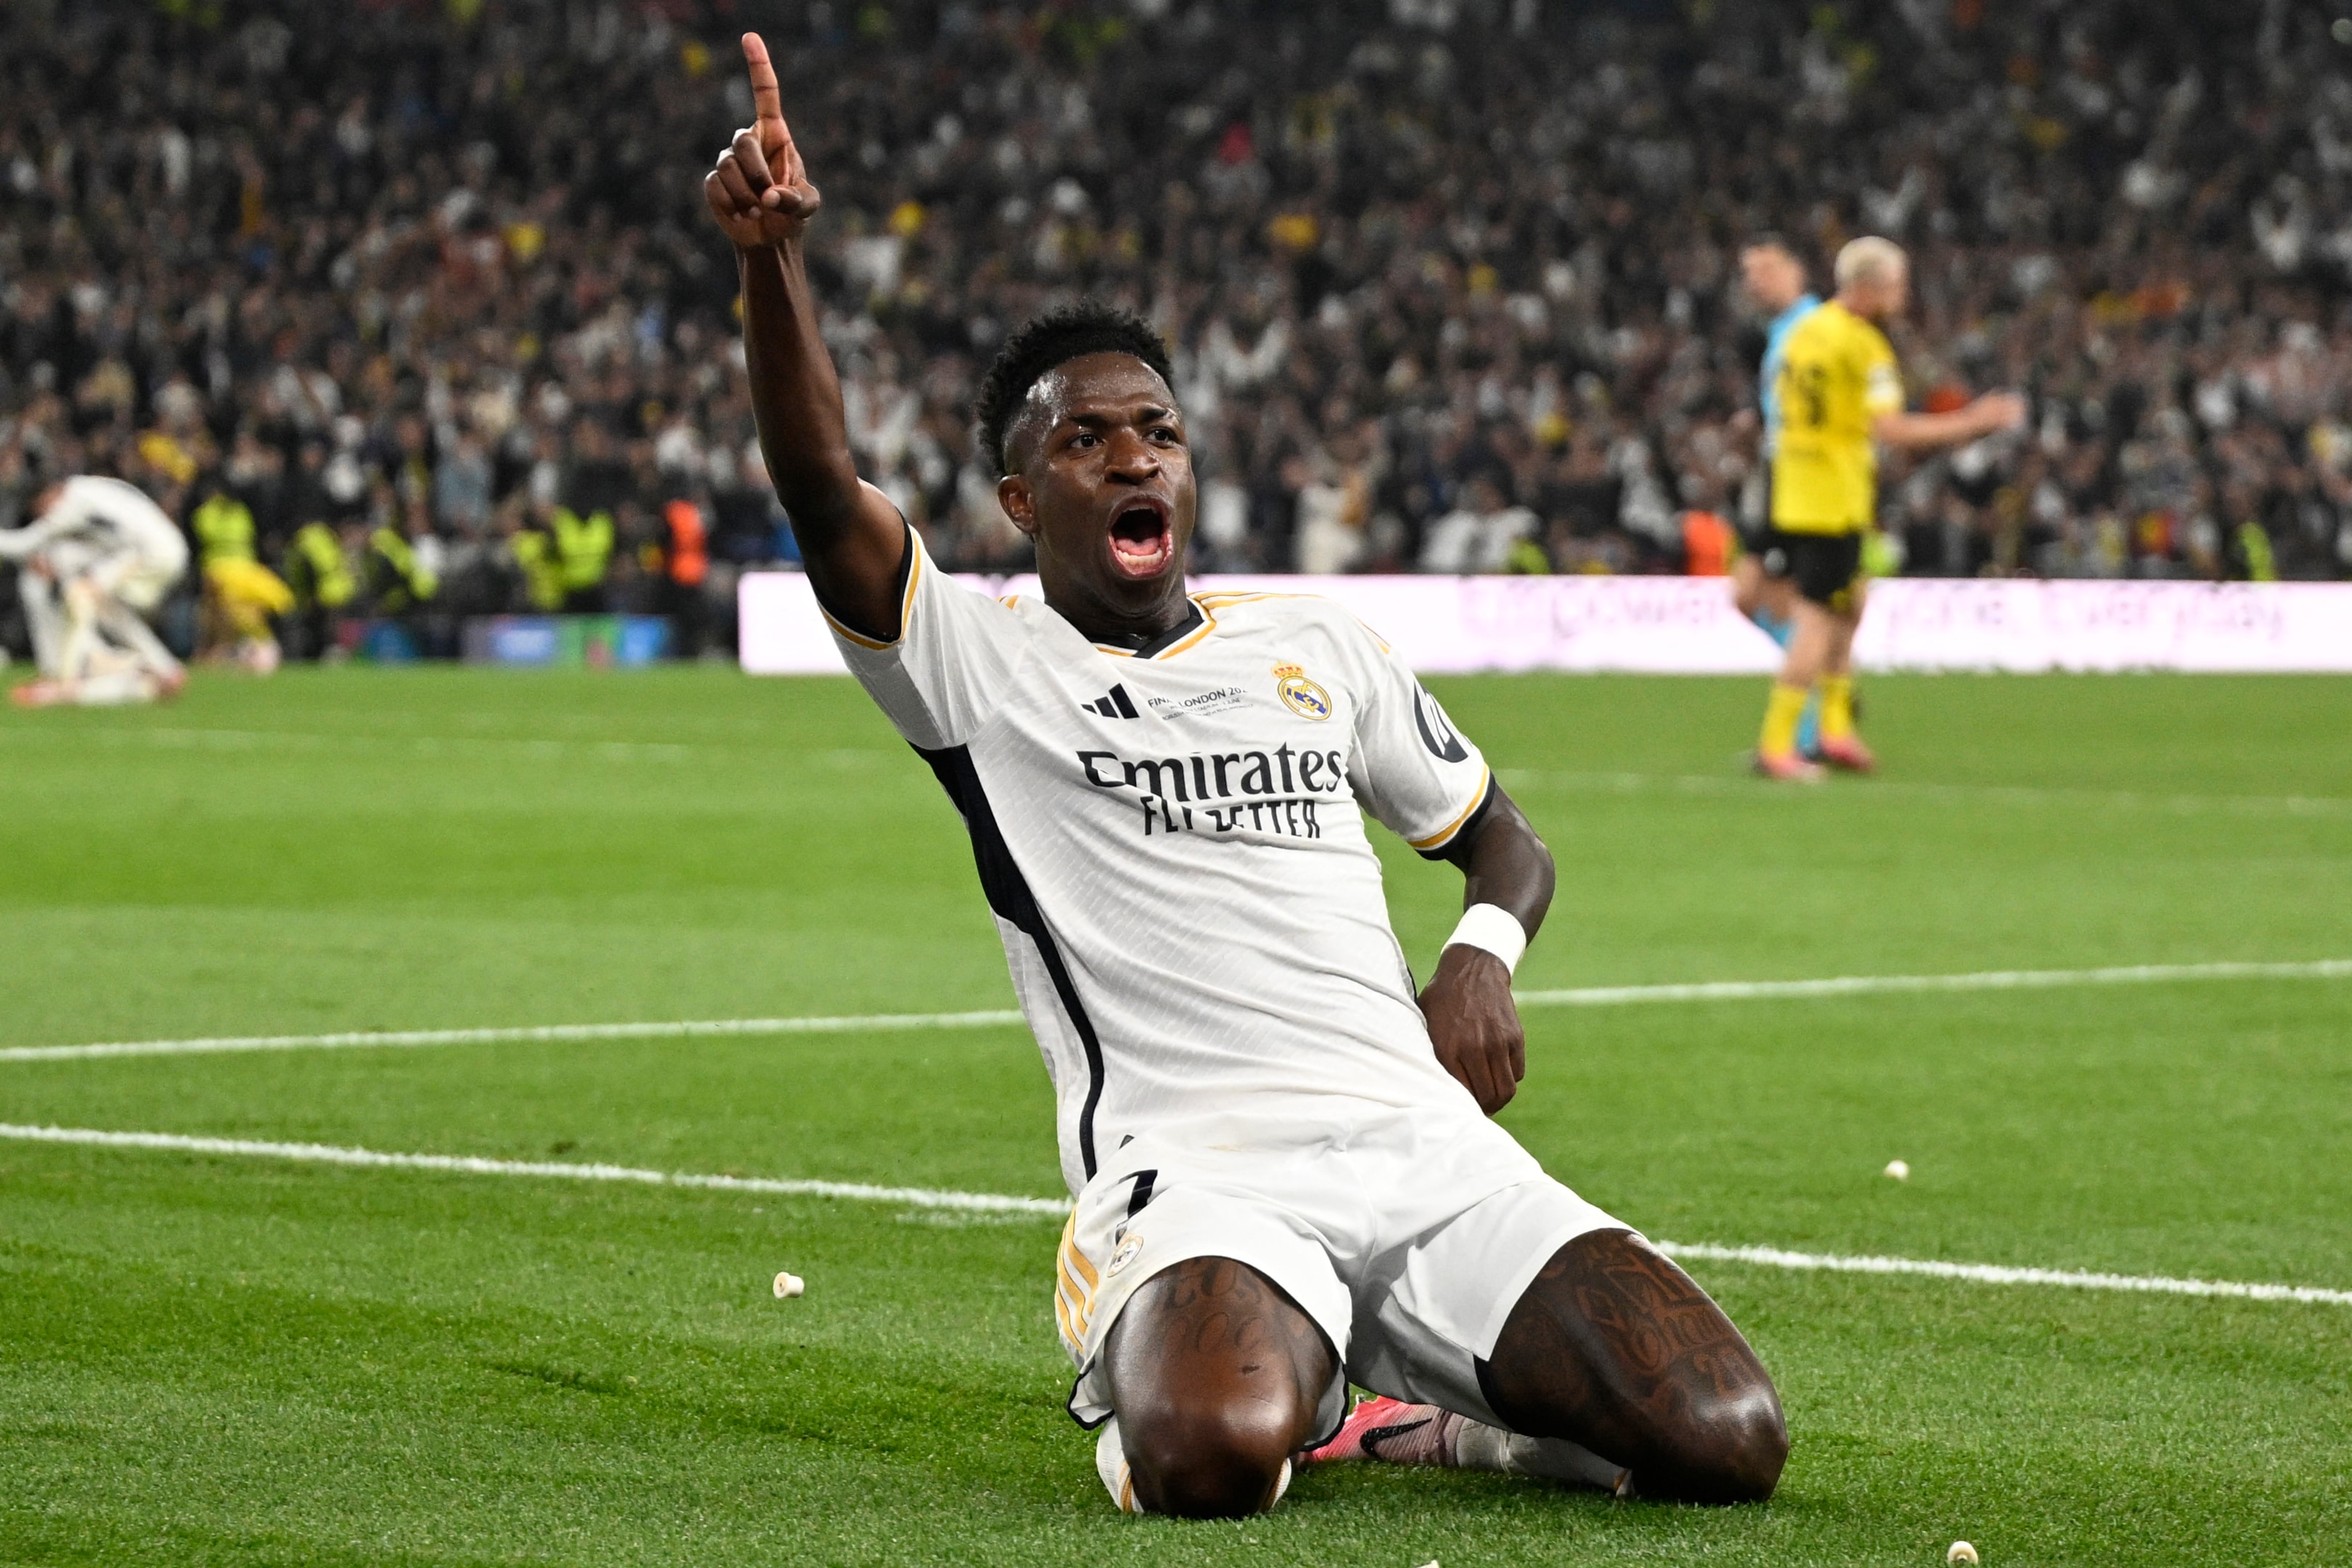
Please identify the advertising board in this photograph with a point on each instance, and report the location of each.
(1686, 625)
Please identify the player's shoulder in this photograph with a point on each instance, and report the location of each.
(102, 494)
(1243, 611)
(1852, 331)
(1297, 634)
(95, 486)
(1810, 336)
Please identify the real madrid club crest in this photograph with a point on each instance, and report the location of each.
(1300, 695)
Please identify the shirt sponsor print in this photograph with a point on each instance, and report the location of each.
(1277, 791)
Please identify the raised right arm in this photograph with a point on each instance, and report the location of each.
(852, 539)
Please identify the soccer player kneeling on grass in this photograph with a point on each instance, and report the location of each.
(99, 558)
(1284, 1170)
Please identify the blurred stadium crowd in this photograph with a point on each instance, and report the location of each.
(420, 297)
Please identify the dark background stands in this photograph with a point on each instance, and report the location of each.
(443, 266)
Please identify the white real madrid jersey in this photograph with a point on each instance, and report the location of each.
(1171, 840)
(113, 516)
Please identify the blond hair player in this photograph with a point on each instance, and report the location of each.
(1839, 398)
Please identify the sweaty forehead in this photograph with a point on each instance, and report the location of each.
(1091, 382)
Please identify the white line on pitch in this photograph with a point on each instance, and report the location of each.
(1587, 996)
(1996, 1274)
(541, 748)
(1526, 779)
(928, 1197)
(182, 739)
(560, 1034)
(1989, 980)
(468, 1165)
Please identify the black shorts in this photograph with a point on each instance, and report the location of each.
(1823, 566)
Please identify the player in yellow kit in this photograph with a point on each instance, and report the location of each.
(1840, 397)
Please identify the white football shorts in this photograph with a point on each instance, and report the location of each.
(1407, 1236)
(127, 576)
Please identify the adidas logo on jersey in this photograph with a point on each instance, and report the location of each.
(1116, 705)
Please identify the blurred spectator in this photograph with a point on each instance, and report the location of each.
(681, 561)
(538, 564)
(401, 580)
(319, 570)
(1479, 534)
(584, 559)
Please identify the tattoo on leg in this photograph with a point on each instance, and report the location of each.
(1216, 1375)
(1215, 1305)
(1614, 1347)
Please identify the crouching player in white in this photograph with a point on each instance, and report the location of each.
(1284, 1172)
(97, 558)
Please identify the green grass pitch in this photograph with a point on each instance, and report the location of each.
(207, 1360)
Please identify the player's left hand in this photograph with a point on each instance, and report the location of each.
(1475, 1025)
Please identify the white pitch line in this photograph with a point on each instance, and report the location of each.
(469, 1166)
(419, 745)
(930, 1198)
(1988, 979)
(875, 1023)
(1998, 1274)
(542, 747)
(1530, 780)
(544, 1033)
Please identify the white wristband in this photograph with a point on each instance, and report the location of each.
(1492, 928)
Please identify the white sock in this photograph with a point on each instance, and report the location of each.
(79, 641)
(1477, 1447)
(1111, 1464)
(1426, 1434)
(127, 627)
(46, 621)
(117, 690)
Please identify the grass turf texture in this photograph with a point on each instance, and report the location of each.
(218, 1361)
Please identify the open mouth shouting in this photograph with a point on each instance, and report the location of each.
(1143, 537)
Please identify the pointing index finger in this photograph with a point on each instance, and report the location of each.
(767, 99)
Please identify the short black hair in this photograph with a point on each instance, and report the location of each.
(1055, 337)
(1770, 240)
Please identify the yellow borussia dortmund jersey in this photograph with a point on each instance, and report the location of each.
(1837, 375)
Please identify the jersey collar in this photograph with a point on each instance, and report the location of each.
(1152, 644)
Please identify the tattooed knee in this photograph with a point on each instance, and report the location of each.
(1615, 1348)
(1209, 1458)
